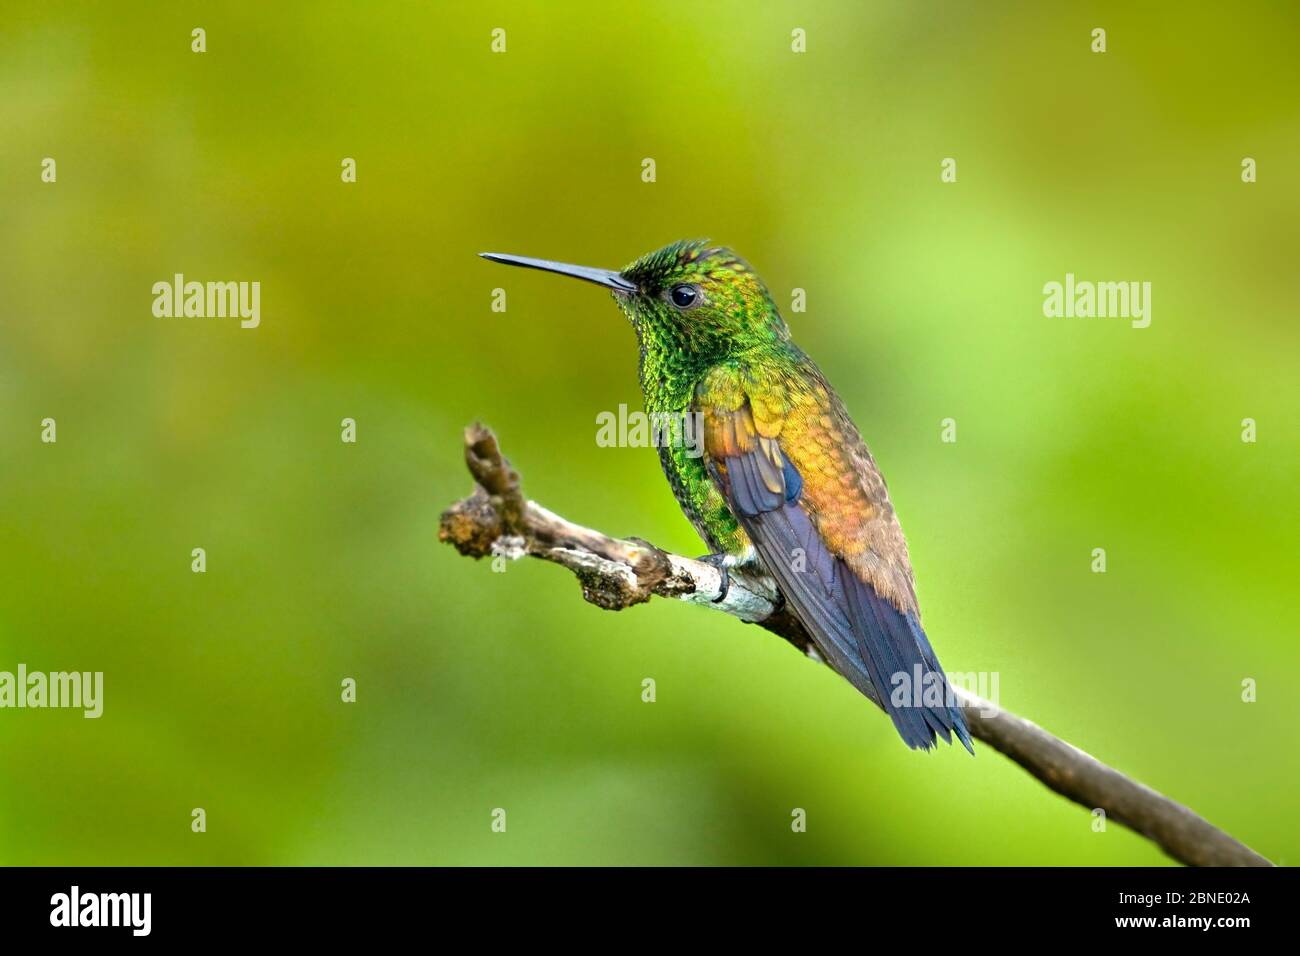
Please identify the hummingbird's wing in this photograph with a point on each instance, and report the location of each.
(799, 479)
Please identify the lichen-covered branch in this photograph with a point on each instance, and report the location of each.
(617, 573)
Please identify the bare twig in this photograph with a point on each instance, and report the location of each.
(618, 573)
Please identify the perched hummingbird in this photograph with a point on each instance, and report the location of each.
(785, 485)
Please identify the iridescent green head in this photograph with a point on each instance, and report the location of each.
(691, 298)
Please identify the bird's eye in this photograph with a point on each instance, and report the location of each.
(684, 296)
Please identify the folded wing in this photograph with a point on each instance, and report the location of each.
(870, 640)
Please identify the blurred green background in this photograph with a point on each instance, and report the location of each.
(479, 690)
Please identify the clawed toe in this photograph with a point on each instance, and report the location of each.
(719, 561)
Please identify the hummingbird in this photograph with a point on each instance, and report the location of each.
(784, 488)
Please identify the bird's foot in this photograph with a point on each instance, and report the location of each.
(722, 562)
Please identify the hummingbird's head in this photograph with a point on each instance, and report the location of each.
(693, 298)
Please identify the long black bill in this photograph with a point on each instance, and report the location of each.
(606, 277)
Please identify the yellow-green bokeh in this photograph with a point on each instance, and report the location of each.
(479, 690)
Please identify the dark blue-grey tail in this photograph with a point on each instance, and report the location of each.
(896, 654)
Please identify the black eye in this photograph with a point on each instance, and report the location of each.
(684, 296)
